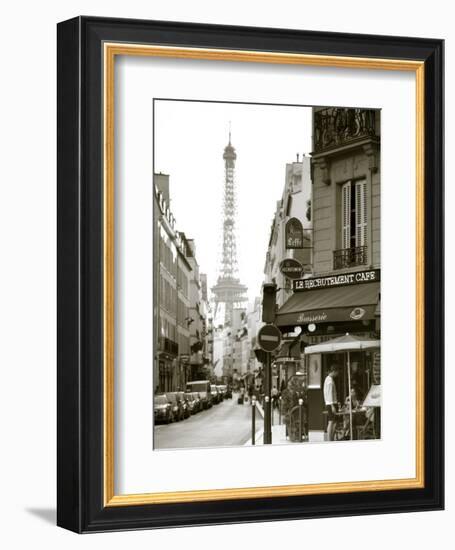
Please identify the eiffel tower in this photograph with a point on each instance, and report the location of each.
(228, 291)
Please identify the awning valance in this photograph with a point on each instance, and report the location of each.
(347, 303)
(289, 350)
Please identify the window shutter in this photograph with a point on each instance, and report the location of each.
(360, 213)
(346, 215)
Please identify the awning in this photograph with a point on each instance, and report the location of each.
(326, 305)
(289, 351)
(347, 342)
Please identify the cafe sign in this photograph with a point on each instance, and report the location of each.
(293, 232)
(342, 279)
(291, 268)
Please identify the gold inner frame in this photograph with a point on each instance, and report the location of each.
(110, 51)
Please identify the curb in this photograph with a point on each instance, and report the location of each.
(258, 436)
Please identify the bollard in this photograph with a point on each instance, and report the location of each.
(300, 418)
(253, 421)
(267, 421)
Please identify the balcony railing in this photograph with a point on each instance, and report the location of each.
(334, 127)
(168, 346)
(349, 257)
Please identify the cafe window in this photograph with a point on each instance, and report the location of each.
(353, 214)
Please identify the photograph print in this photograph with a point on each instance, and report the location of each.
(267, 236)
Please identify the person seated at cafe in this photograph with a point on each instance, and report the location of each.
(358, 418)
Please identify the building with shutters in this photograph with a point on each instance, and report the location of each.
(346, 189)
(343, 293)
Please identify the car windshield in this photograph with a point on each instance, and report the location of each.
(189, 396)
(213, 388)
(160, 400)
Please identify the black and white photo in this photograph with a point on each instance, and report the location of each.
(267, 260)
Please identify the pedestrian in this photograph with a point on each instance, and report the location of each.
(274, 394)
(330, 399)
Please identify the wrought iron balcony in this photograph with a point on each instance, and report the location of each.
(349, 257)
(168, 346)
(335, 126)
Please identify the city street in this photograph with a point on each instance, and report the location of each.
(225, 424)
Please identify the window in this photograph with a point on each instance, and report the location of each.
(353, 214)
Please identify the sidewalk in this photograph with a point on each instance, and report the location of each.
(278, 431)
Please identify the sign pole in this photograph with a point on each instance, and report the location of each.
(268, 403)
(269, 339)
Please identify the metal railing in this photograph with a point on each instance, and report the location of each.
(349, 257)
(169, 346)
(338, 126)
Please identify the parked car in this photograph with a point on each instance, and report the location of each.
(177, 406)
(222, 389)
(162, 409)
(216, 398)
(202, 387)
(198, 399)
(194, 403)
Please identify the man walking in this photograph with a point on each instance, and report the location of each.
(330, 399)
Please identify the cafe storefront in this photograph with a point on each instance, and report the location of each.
(326, 308)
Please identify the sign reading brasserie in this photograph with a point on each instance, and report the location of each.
(343, 279)
(293, 234)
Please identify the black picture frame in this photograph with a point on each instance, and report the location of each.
(80, 473)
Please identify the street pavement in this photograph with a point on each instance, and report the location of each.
(224, 425)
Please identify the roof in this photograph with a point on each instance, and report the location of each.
(346, 303)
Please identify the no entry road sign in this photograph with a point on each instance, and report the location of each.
(269, 337)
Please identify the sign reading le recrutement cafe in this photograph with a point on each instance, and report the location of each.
(342, 279)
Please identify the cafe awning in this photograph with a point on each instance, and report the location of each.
(347, 342)
(289, 351)
(326, 305)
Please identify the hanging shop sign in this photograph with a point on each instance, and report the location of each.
(293, 232)
(343, 279)
(291, 268)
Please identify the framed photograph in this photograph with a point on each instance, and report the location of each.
(250, 272)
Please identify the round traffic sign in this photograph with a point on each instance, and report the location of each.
(269, 337)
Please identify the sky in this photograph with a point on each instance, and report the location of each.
(190, 138)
